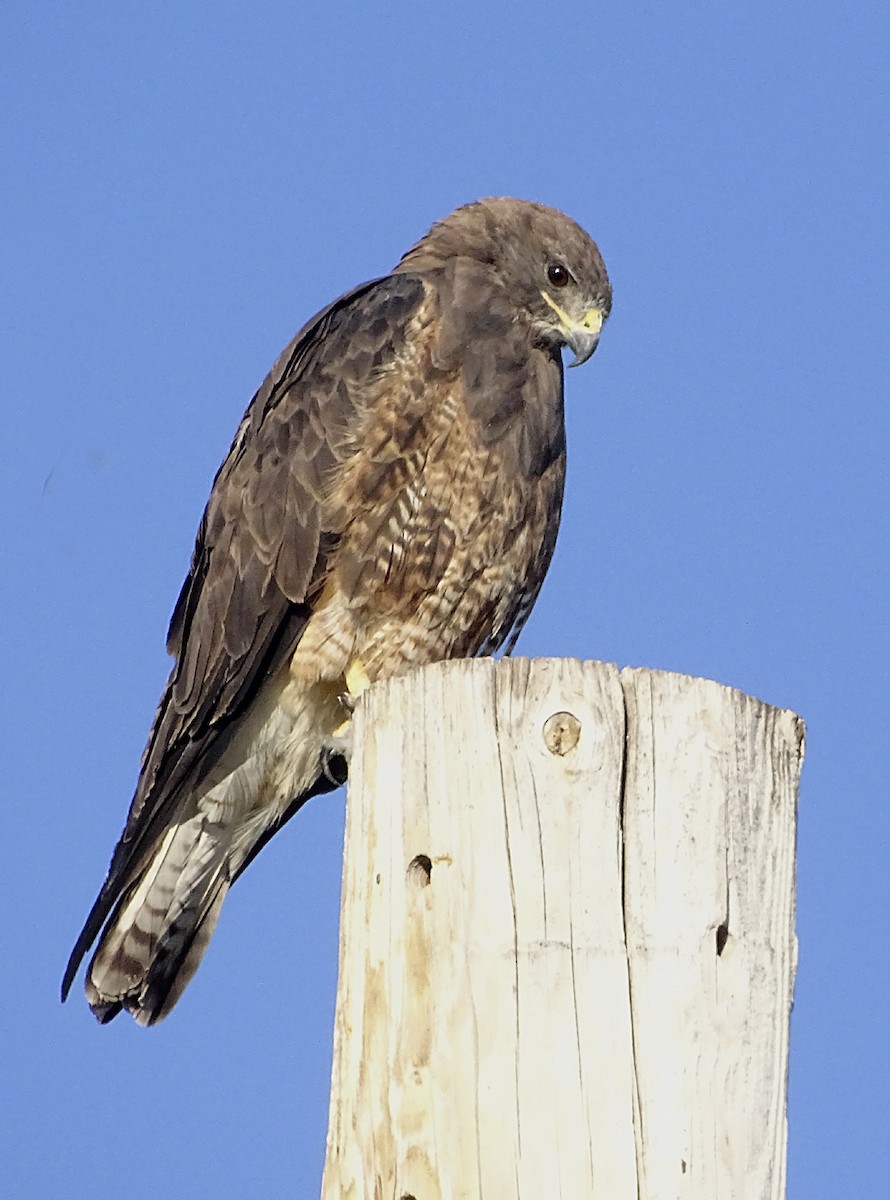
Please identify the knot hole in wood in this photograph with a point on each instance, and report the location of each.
(561, 733)
(722, 936)
(420, 868)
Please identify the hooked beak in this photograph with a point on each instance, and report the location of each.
(582, 335)
(583, 342)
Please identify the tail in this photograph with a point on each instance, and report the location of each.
(172, 870)
(157, 935)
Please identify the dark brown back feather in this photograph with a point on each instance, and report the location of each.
(261, 551)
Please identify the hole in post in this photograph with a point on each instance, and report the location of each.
(420, 868)
(561, 733)
(722, 935)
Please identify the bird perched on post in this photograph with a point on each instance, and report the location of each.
(391, 498)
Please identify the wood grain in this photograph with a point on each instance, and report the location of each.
(567, 946)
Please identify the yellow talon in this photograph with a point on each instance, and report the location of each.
(357, 680)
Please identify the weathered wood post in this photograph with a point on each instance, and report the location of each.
(567, 940)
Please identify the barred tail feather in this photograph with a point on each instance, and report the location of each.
(154, 942)
(175, 880)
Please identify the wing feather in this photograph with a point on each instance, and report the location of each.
(260, 556)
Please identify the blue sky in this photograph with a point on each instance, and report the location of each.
(183, 186)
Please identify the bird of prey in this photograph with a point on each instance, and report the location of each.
(391, 498)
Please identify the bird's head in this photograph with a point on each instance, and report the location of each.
(549, 267)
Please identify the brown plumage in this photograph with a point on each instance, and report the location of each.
(391, 498)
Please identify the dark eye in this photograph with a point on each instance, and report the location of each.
(558, 275)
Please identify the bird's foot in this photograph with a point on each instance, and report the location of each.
(357, 679)
(337, 749)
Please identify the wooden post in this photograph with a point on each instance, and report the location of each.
(567, 942)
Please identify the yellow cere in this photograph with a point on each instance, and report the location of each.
(592, 321)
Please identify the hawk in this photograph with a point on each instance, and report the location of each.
(391, 498)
